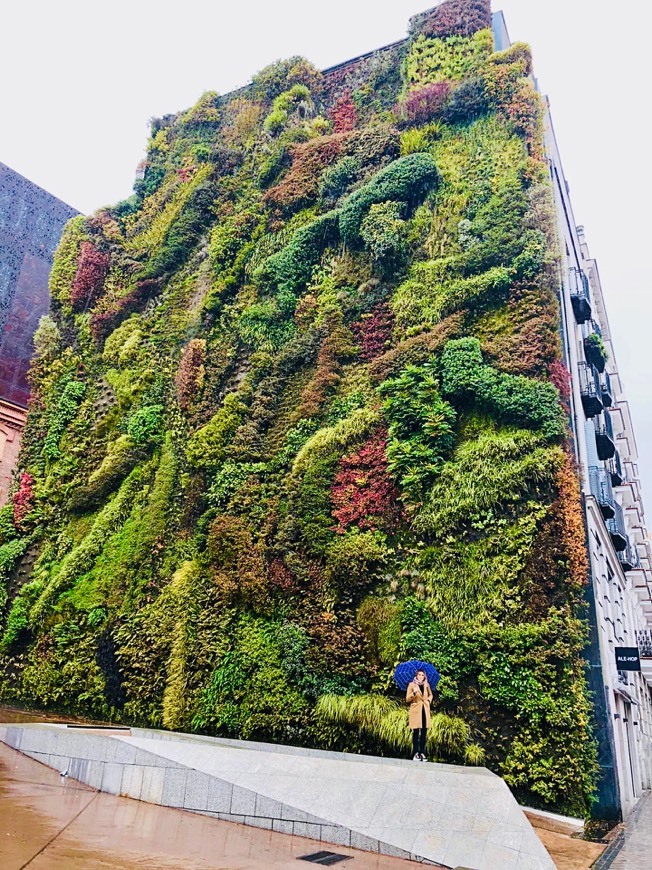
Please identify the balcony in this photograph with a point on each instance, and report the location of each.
(604, 437)
(644, 643)
(601, 488)
(590, 389)
(594, 349)
(628, 558)
(616, 529)
(615, 469)
(580, 296)
(606, 391)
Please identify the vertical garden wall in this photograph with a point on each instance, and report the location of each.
(298, 413)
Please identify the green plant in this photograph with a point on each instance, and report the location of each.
(407, 180)
(420, 428)
(515, 399)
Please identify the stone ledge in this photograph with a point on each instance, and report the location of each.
(436, 814)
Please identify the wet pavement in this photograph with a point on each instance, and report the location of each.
(636, 852)
(50, 823)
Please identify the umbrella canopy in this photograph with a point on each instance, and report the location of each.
(405, 673)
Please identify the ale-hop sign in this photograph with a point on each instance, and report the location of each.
(627, 658)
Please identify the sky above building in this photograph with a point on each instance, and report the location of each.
(81, 81)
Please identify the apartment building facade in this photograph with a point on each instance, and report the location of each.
(620, 593)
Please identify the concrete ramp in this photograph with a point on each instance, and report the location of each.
(437, 814)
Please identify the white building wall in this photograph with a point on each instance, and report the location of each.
(622, 586)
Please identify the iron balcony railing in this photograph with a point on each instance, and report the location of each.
(616, 528)
(615, 468)
(604, 437)
(644, 643)
(606, 391)
(590, 389)
(580, 295)
(628, 558)
(594, 351)
(600, 481)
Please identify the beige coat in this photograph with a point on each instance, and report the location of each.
(419, 702)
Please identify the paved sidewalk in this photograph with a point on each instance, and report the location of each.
(47, 823)
(636, 853)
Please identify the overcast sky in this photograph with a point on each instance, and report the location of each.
(81, 79)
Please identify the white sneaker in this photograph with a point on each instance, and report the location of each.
(417, 757)
(422, 757)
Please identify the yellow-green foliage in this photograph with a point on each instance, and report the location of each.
(337, 438)
(175, 696)
(81, 557)
(387, 722)
(152, 236)
(453, 58)
(64, 267)
(207, 447)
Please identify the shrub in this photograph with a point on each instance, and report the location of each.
(456, 18)
(363, 493)
(23, 499)
(292, 267)
(384, 234)
(338, 178)
(275, 78)
(513, 398)
(89, 280)
(47, 338)
(309, 160)
(374, 332)
(467, 102)
(65, 411)
(183, 233)
(110, 314)
(344, 114)
(407, 179)
(190, 374)
(145, 426)
(296, 97)
(453, 59)
(423, 104)
(420, 429)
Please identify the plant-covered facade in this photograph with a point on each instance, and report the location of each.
(298, 413)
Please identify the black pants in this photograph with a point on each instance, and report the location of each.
(419, 736)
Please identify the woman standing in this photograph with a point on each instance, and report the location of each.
(419, 697)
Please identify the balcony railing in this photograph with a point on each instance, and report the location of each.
(590, 389)
(601, 488)
(644, 643)
(580, 296)
(616, 529)
(594, 349)
(615, 469)
(628, 558)
(606, 391)
(604, 437)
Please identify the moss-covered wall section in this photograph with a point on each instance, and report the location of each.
(296, 417)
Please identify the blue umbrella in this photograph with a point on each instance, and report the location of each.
(406, 671)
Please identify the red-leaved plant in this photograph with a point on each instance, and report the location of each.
(457, 18)
(363, 492)
(423, 104)
(23, 499)
(92, 269)
(374, 332)
(344, 114)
